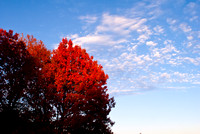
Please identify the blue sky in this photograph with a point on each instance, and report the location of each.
(149, 49)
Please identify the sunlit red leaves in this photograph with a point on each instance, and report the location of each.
(74, 66)
(81, 84)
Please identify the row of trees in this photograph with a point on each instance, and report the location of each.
(43, 91)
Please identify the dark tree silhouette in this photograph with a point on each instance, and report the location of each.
(41, 96)
(16, 74)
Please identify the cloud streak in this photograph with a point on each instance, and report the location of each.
(112, 30)
(88, 19)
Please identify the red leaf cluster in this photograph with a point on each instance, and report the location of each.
(64, 90)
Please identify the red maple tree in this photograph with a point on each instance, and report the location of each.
(81, 85)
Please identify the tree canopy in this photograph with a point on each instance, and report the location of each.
(59, 91)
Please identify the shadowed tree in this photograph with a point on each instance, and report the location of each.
(41, 96)
(26, 102)
(16, 74)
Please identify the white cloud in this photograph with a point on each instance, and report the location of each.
(119, 24)
(144, 29)
(144, 33)
(151, 43)
(157, 54)
(158, 29)
(189, 44)
(194, 18)
(196, 82)
(181, 77)
(151, 9)
(190, 37)
(171, 21)
(138, 60)
(142, 38)
(166, 42)
(119, 91)
(173, 62)
(147, 58)
(55, 46)
(73, 36)
(192, 60)
(119, 46)
(168, 48)
(176, 88)
(191, 8)
(165, 77)
(185, 27)
(113, 30)
(88, 18)
(98, 40)
(134, 47)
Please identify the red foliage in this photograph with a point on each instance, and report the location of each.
(64, 91)
(80, 83)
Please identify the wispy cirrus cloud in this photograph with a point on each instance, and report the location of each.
(99, 39)
(113, 29)
(119, 25)
(191, 9)
(88, 19)
(143, 48)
